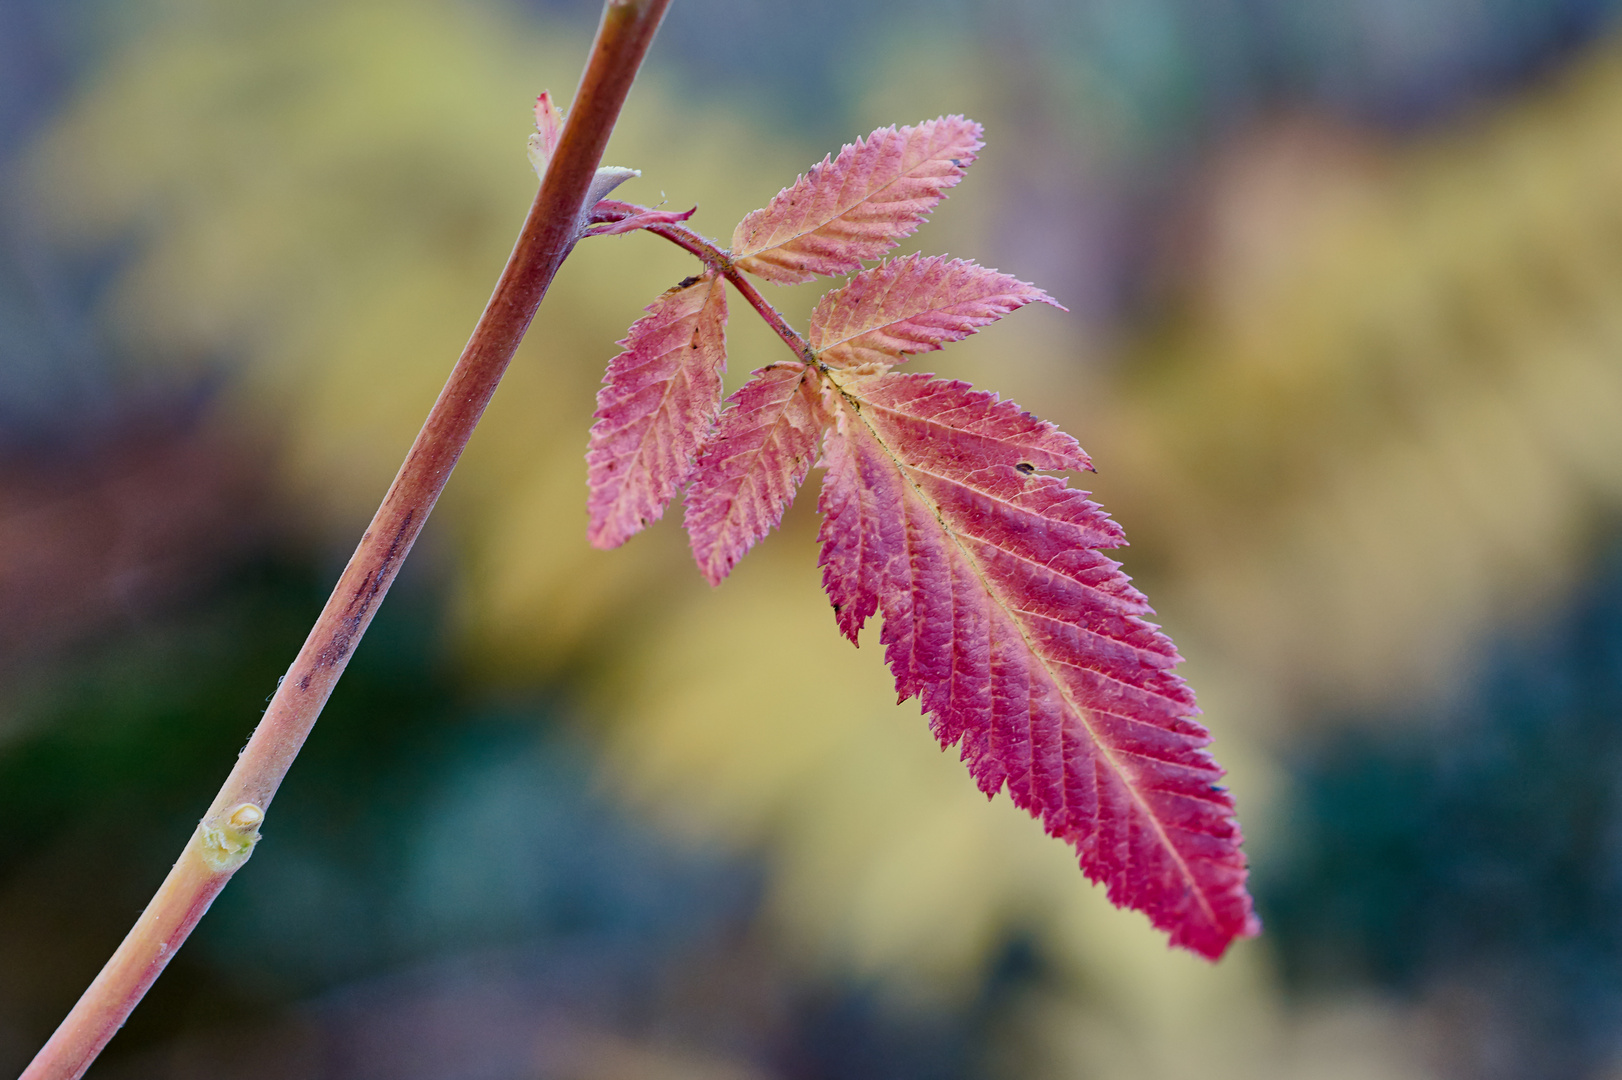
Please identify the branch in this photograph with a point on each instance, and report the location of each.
(227, 833)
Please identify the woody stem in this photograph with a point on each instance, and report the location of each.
(225, 837)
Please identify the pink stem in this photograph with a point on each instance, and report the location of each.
(719, 260)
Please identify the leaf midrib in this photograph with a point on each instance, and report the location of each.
(1082, 715)
(869, 197)
(670, 385)
(732, 518)
(931, 309)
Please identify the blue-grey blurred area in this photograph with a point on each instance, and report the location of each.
(1474, 860)
(1346, 344)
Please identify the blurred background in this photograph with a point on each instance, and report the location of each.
(1345, 339)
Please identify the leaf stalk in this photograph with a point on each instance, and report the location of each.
(719, 260)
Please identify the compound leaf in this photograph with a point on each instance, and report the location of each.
(1025, 643)
(753, 465)
(856, 206)
(658, 402)
(910, 305)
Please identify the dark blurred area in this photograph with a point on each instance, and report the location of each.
(1470, 861)
(1347, 347)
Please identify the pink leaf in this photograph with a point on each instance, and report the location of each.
(548, 121)
(658, 402)
(912, 305)
(856, 206)
(752, 466)
(548, 129)
(1026, 644)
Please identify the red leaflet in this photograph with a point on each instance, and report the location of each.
(1025, 643)
(912, 305)
(856, 206)
(658, 402)
(753, 465)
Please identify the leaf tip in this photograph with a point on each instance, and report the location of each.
(548, 129)
(601, 537)
(714, 570)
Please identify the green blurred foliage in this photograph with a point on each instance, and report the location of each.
(424, 820)
(1470, 863)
